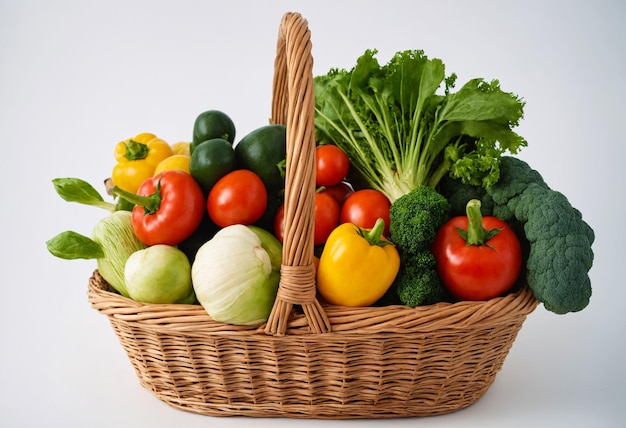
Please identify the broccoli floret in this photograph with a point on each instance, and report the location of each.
(459, 193)
(415, 219)
(515, 176)
(417, 282)
(560, 249)
(560, 254)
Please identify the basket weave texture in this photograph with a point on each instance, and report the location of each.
(312, 360)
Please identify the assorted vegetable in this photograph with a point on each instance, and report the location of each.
(326, 217)
(235, 274)
(137, 159)
(417, 202)
(331, 165)
(179, 162)
(415, 219)
(168, 208)
(237, 198)
(364, 207)
(478, 257)
(263, 152)
(212, 124)
(210, 161)
(159, 274)
(116, 237)
(357, 266)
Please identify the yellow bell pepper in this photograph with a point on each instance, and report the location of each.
(179, 162)
(137, 159)
(357, 266)
(181, 148)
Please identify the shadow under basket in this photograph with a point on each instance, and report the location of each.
(312, 360)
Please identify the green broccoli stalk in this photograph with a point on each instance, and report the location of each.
(417, 282)
(558, 240)
(399, 133)
(415, 219)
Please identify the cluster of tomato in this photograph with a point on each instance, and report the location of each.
(239, 197)
(336, 200)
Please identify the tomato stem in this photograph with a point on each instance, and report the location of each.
(476, 233)
(149, 203)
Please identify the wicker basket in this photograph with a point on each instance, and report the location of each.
(312, 360)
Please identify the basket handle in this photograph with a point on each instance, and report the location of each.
(293, 104)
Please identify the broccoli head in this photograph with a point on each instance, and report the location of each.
(459, 193)
(415, 217)
(560, 254)
(515, 176)
(417, 282)
(560, 249)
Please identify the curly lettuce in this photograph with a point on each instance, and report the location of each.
(400, 132)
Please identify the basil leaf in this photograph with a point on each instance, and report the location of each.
(70, 245)
(77, 190)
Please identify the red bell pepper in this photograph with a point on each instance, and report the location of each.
(478, 257)
(168, 208)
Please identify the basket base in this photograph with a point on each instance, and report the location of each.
(328, 411)
(334, 379)
(379, 363)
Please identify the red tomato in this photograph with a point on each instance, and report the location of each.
(175, 213)
(364, 207)
(239, 197)
(477, 272)
(340, 191)
(279, 223)
(326, 218)
(331, 165)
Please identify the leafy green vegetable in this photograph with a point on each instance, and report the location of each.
(399, 132)
(77, 190)
(71, 245)
(113, 237)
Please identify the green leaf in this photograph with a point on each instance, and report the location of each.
(479, 100)
(77, 190)
(396, 127)
(70, 245)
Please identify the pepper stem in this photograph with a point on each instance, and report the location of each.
(149, 203)
(476, 233)
(375, 234)
(136, 150)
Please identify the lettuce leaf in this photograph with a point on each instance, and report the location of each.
(402, 126)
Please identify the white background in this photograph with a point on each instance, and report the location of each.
(77, 77)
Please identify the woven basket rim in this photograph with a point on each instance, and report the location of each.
(392, 319)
